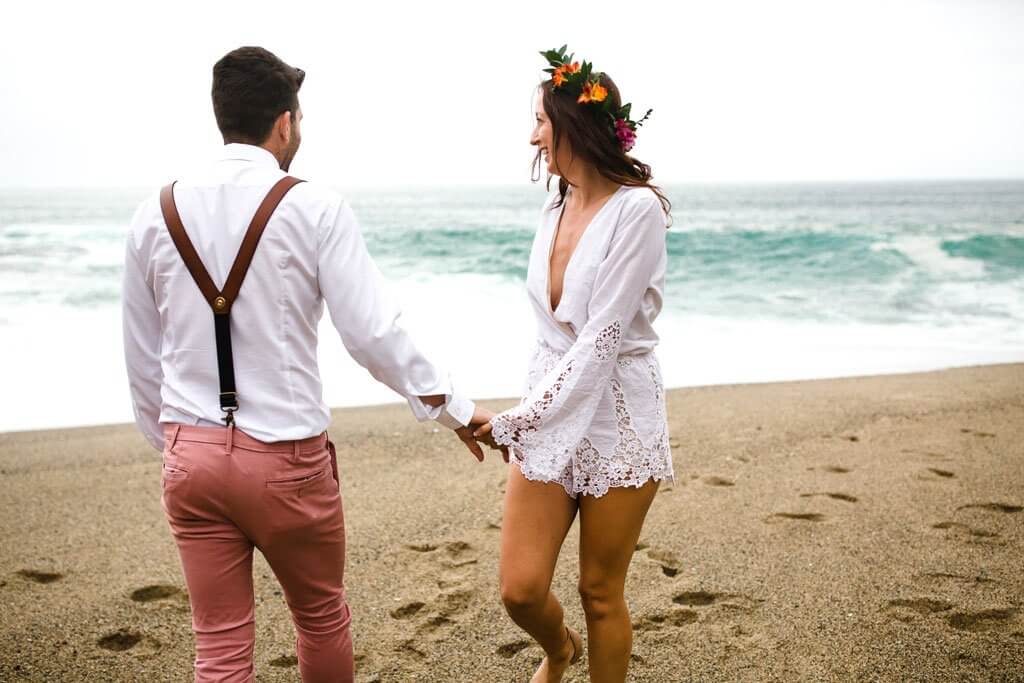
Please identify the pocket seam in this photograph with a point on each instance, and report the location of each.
(295, 482)
(171, 472)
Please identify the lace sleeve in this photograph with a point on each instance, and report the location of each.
(555, 415)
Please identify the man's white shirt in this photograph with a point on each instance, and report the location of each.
(311, 253)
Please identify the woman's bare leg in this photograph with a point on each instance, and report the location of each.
(609, 529)
(536, 519)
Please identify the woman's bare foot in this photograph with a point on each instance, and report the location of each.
(552, 668)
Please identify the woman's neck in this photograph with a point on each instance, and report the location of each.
(589, 186)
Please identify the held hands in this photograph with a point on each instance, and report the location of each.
(481, 419)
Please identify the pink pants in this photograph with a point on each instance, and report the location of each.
(225, 493)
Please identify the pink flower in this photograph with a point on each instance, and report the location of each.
(625, 134)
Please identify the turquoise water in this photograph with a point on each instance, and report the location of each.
(868, 252)
(827, 279)
(939, 252)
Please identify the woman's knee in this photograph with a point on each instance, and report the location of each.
(523, 594)
(600, 596)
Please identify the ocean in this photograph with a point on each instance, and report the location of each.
(766, 282)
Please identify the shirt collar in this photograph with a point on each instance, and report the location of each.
(242, 152)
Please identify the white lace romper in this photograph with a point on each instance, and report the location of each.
(594, 412)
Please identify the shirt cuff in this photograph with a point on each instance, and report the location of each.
(457, 412)
(454, 413)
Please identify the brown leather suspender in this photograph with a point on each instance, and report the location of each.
(221, 300)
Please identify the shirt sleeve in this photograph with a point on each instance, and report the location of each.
(140, 321)
(554, 417)
(366, 315)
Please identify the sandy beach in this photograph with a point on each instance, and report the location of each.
(867, 529)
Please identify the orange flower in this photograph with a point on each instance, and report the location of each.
(592, 92)
(571, 68)
(558, 78)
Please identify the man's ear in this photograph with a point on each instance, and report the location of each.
(283, 127)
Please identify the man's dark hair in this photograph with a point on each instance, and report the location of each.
(251, 88)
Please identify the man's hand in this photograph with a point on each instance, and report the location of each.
(466, 435)
(482, 419)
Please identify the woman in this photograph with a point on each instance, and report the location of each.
(591, 435)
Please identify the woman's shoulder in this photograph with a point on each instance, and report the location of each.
(641, 205)
(640, 197)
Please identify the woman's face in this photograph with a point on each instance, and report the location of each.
(543, 138)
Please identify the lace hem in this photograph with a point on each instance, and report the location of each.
(596, 488)
(588, 470)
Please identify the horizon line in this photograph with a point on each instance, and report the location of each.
(506, 185)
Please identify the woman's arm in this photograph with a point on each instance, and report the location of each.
(559, 409)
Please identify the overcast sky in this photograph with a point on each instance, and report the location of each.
(105, 93)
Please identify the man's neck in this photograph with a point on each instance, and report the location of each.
(276, 152)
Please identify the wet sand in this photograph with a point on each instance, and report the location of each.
(841, 530)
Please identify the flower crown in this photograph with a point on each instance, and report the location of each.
(582, 81)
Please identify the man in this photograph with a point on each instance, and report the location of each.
(234, 398)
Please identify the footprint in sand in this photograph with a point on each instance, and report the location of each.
(39, 576)
(942, 577)
(945, 474)
(728, 601)
(834, 469)
(993, 507)
(997, 619)
(119, 641)
(510, 650)
(835, 496)
(458, 554)
(718, 481)
(409, 648)
(407, 610)
(901, 608)
(432, 620)
(696, 598)
(666, 558)
(421, 547)
(959, 528)
(982, 435)
(454, 553)
(699, 605)
(155, 592)
(657, 621)
(285, 661)
(799, 516)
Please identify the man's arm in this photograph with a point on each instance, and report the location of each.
(367, 319)
(142, 338)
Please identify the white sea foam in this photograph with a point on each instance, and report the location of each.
(64, 366)
(927, 252)
(744, 304)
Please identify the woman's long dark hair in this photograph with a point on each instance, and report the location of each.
(592, 138)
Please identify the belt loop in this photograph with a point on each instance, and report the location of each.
(174, 436)
(231, 439)
(295, 451)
